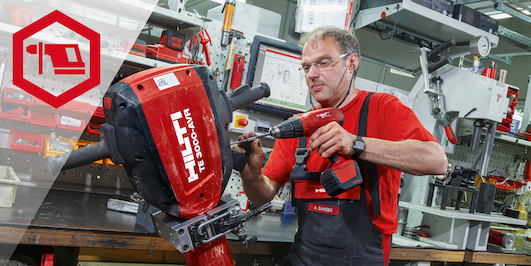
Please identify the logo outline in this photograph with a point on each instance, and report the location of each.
(37, 26)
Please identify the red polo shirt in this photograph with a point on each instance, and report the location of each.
(388, 119)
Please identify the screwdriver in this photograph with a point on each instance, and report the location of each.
(251, 138)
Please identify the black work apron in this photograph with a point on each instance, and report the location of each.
(335, 231)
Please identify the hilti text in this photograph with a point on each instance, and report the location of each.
(190, 142)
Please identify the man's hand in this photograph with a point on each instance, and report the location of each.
(332, 138)
(259, 188)
(254, 151)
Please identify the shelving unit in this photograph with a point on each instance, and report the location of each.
(169, 19)
(114, 55)
(422, 22)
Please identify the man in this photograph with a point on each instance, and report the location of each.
(355, 227)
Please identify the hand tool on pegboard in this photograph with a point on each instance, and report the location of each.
(199, 46)
(237, 72)
(235, 35)
(228, 9)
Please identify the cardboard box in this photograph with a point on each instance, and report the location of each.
(8, 186)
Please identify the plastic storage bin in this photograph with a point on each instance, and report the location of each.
(70, 123)
(93, 127)
(8, 186)
(18, 113)
(25, 142)
(43, 107)
(74, 108)
(98, 114)
(17, 97)
(57, 145)
(43, 119)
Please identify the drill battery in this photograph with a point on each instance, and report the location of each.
(173, 39)
(170, 49)
(138, 47)
(163, 53)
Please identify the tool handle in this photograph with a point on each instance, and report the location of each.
(344, 175)
(228, 9)
(230, 56)
(204, 42)
(207, 55)
(318, 118)
(79, 157)
(244, 96)
(106, 148)
(450, 134)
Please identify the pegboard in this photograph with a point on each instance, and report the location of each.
(505, 156)
(234, 186)
(97, 178)
(219, 56)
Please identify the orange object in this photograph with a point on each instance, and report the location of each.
(227, 20)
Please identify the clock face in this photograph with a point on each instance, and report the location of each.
(480, 46)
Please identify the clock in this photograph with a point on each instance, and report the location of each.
(480, 46)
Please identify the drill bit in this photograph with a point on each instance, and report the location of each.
(250, 139)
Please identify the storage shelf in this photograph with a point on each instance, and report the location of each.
(166, 18)
(462, 214)
(506, 138)
(500, 136)
(160, 17)
(425, 23)
(106, 54)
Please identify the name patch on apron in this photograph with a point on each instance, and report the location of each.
(332, 210)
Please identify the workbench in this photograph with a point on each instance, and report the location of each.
(81, 220)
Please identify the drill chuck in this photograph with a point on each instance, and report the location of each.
(291, 128)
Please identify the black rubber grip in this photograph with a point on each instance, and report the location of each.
(244, 96)
(79, 157)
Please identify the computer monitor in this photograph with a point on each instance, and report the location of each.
(278, 64)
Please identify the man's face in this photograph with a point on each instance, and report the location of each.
(328, 85)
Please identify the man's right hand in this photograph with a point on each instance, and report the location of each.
(254, 151)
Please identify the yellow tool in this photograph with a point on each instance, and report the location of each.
(227, 22)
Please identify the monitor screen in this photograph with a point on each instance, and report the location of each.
(277, 64)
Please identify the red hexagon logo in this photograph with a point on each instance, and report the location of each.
(61, 63)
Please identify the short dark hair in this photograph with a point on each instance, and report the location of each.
(347, 42)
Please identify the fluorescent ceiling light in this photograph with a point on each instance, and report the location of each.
(401, 73)
(500, 16)
(223, 1)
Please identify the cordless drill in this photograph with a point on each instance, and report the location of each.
(344, 173)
